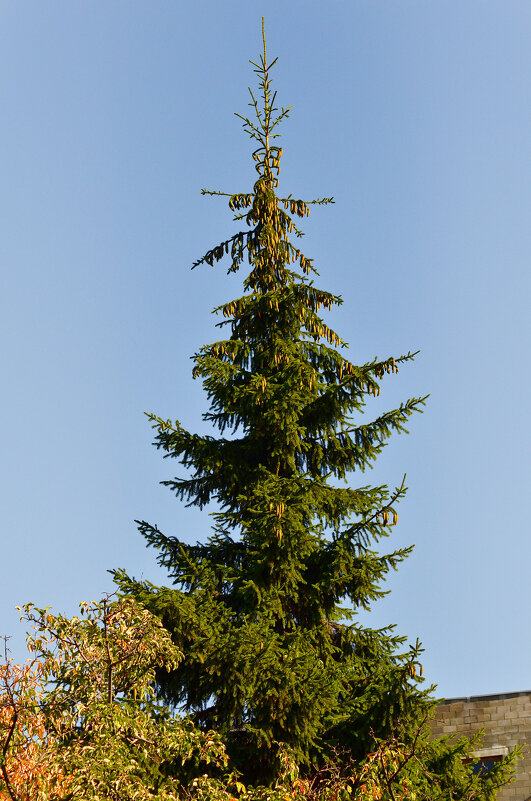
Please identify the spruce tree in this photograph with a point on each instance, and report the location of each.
(266, 612)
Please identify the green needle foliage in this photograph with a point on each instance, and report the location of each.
(275, 658)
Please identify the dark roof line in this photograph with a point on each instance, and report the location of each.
(490, 697)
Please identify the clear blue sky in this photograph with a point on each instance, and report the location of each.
(416, 117)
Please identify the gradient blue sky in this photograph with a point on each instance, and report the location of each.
(416, 117)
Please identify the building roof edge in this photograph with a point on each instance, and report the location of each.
(488, 697)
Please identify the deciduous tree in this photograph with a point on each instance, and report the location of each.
(80, 719)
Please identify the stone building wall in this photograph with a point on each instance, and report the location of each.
(506, 721)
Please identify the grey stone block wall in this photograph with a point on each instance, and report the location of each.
(506, 721)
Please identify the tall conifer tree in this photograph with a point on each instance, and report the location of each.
(265, 612)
